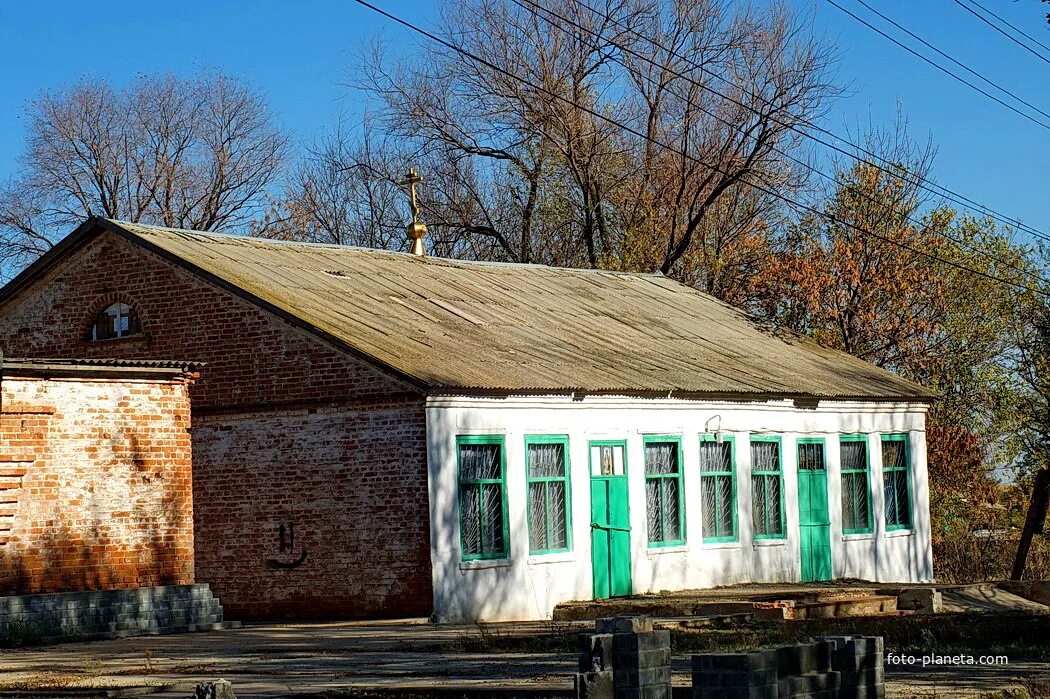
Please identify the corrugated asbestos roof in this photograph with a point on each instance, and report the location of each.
(451, 324)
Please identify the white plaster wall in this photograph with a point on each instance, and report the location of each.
(528, 587)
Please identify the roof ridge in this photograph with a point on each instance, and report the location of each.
(255, 240)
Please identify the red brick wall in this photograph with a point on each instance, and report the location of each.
(351, 478)
(343, 487)
(62, 527)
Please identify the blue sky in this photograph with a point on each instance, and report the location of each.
(298, 53)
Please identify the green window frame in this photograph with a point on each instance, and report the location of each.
(663, 490)
(549, 514)
(855, 485)
(718, 490)
(767, 485)
(896, 481)
(482, 497)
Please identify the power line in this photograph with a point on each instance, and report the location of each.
(941, 68)
(477, 59)
(535, 9)
(930, 187)
(1009, 36)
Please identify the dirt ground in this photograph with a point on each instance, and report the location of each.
(304, 659)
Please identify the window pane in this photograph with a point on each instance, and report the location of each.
(607, 460)
(811, 457)
(765, 504)
(758, 504)
(537, 517)
(672, 530)
(765, 456)
(854, 455)
(775, 518)
(479, 462)
(469, 522)
(849, 502)
(546, 460)
(855, 501)
(904, 511)
(894, 454)
(492, 519)
(708, 506)
(725, 506)
(661, 458)
(715, 456)
(652, 509)
(861, 501)
(559, 536)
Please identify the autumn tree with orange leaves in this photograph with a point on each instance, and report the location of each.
(914, 288)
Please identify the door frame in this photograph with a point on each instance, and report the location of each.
(590, 516)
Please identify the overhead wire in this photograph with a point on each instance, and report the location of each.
(535, 9)
(999, 29)
(941, 68)
(810, 127)
(628, 129)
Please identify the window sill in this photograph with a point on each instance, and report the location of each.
(539, 559)
(482, 564)
(117, 340)
(780, 541)
(895, 533)
(859, 536)
(716, 545)
(654, 551)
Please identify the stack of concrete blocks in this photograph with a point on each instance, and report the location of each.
(861, 664)
(58, 616)
(839, 667)
(625, 659)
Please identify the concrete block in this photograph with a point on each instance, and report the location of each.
(596, 652)
(661, 691)
(925, 600)
(808, 684)
(875, 675)
(732, 678)
(649, 640)
(641, 677)
(593, 685)
(219, 689)
(624, 624)
(751, 660)
(642, 659)
(764, 692)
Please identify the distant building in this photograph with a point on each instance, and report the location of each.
(382, 434)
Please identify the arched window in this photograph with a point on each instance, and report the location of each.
(118, 320)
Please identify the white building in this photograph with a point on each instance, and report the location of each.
(870, 521)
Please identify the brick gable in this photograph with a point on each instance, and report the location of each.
(290, 434)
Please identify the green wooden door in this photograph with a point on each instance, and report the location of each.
(813, 516)
(610, 523)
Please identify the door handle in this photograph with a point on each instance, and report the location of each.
(608, 527)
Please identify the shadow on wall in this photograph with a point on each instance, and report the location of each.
(81, 542)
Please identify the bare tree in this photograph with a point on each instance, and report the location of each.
(190, 153)
(630, 134)
(343, 191)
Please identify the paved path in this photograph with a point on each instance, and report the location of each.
(283, 660)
